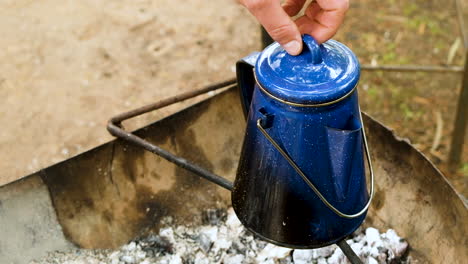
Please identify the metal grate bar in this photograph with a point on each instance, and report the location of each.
(413, 68)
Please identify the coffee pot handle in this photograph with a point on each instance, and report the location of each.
(261, 126)
(246, 80)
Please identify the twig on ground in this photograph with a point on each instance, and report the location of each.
(438, 132)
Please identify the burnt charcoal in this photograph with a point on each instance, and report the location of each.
(224, 240)
(188, 261)
(204, 242)
(157, 244)
(286, 260)
(238, 247)
(213, 216)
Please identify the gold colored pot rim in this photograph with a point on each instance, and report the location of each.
(299, 104)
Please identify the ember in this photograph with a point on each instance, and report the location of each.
(223, 239)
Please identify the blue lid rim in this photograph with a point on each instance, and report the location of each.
(265, 91)
(309, 88)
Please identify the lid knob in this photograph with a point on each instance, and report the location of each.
(311, 50)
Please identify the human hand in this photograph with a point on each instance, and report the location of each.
(321, 20)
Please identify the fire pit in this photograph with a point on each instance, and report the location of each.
(112, 194)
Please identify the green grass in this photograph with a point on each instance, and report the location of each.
(464, 169)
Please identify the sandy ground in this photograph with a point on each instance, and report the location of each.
(68, 66)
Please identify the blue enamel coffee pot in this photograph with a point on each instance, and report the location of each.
(301, 179)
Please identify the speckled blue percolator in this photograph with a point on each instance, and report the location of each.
(301, 179)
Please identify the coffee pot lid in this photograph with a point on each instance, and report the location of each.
(320, 74)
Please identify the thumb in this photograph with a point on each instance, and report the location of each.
(277, 23)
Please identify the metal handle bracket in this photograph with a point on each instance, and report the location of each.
(311, 185)
(114, 126)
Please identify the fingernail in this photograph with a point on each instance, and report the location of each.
(293, 47)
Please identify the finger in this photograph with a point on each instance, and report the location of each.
(320, 32)
(292, 7)
(330, 5)
(277, 23)
(312, 10)
(322, 22)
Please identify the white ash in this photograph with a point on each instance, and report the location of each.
(223, 240)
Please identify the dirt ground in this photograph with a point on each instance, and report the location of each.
(68, 66)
